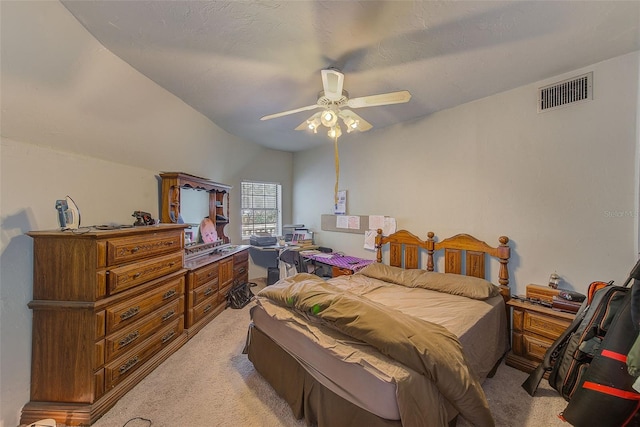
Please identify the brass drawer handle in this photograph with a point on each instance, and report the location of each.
(210, 274)
(208, 292)
(168, 336)
(130, 313)
(168, 315)
(129, 339)
(169, 294)
(171, 264)
(134, 250)
(130, 364)
(242, 270)
(207, 308)
(138, 274)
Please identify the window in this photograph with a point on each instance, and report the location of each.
(261, 208)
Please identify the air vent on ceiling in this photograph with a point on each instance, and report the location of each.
(570, 91)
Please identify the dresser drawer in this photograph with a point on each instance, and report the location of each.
(127, 249)
(135, 334)
(119, 369)
(204, 275)
(241, 257)
(241, 272)
(126, 277)
(545, 326)
(207, 291)
(130, 311)
(201, 310)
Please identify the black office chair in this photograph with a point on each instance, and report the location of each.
(293, 262)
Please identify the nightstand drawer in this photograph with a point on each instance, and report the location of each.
(530, 347)
(544, 325)
(534, 329)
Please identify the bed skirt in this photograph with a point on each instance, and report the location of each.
(307, 398)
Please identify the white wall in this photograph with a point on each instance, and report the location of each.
(78, 121)
(560, 184)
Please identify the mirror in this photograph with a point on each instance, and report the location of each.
(194, 207)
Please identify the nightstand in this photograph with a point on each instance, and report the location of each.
(534, 330)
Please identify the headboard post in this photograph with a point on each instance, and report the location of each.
(430, 249)
(504, 253)
(379, 245)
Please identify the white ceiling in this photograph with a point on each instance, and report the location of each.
(236, 61)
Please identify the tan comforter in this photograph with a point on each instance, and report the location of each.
(425, 347)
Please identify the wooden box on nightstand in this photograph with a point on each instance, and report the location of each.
(534, 329)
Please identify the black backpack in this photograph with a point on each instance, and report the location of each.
(574, 355)
(601, 391)
(240, 295)
(587, 363)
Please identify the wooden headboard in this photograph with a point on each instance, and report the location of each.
(405, 247)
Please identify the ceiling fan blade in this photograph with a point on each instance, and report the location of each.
(362, 124)
(332, 82)
(286, 113)
(381, 99)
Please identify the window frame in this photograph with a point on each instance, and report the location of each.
(277, 229)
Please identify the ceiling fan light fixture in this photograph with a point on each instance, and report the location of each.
(350, 123)
(331, 104)
(313, 123)
(335, 132)
(329, 118)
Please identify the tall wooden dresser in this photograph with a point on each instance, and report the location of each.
(108, 308)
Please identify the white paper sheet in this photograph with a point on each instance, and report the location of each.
(342, 221)
(376, 221)
(370, 239)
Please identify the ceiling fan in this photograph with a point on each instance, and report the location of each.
(333, 99)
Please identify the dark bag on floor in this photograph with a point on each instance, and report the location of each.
(575, 355)
(587, 363)
(603, 394)
(558, 349)
(240, 295)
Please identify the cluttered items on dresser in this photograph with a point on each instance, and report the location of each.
(556, 299)
(591, 364)
(142, 218)
(68, 214)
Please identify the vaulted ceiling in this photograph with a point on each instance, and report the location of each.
(236, 61)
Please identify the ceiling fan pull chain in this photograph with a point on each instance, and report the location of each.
(337, 157)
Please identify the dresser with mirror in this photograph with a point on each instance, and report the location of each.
(214, 266)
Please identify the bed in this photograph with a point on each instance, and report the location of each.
(392, 345)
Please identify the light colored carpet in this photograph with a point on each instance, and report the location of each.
(209, 382)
